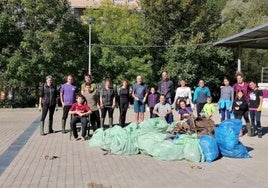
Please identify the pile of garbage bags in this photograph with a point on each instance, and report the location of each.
(151, 138)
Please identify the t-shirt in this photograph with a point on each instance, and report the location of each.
(162, 108)
(68, 91)
(201, 94)
(92, 99)
(209, 109)
(123, 95)
(185, 113)
(243, 87)
(80, 108)
(241, 103)
(48, 94)
(153, 99)
(140, 90)
(184, 93)
(227, 93)
(166, 87)
(107, 96)
(254, 99)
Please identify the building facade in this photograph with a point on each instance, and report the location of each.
(79, 5)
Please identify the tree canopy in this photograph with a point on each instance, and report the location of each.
(118, 40)
(44, 37)
(40, 37)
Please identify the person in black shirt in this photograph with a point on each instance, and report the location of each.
(240, 108)
(107, 101)
(255, 108)
(124, 98)
(47, 102)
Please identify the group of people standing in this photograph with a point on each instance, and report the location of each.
(248, 102)
(83, 104)
(242, 98)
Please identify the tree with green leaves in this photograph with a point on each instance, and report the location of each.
(118, 38)
(187, 29)
(49, 39)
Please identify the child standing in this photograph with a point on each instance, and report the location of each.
(240, 107)
(226, 99)
(209, 108)
(153, 99)
(80, 110)
(255, 108)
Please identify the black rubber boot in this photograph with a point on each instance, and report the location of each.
(253, 131)
(248, 125)
(259, 132)
(63, 123)
(110, 122)
(102, 122)
(259, 129)
(42, 128)
(50, 123)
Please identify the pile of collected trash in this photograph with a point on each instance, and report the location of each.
(152, 137)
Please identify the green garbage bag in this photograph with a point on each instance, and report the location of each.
(166, 150)
(154, 125)
(145, 141)
(130, 147)
(97, 138)
(124, 141)
(132, 127)
(118, 142)
(191, 150)
(113, 138)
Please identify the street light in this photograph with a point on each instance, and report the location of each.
(90, 21)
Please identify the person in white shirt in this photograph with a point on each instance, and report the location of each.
(183, 92)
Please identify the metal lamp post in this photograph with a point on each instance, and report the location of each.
(90, 21)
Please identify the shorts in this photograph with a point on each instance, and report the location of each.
(139, 106)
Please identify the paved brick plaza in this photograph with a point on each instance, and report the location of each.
(30, 160)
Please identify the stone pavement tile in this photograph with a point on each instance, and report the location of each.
(77, 165)
(10, 129)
